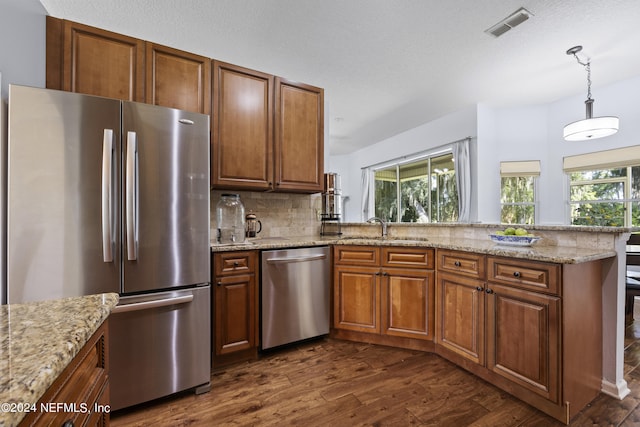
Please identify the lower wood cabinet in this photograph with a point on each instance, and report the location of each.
(531, 328)
(523, 331)
(235, 307)
(460, 316)
(83, 388)
(384, 292)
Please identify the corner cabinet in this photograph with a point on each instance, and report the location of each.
(532, 328)
(268, 132)
(384, 295)
(299, 137)
(235, 307)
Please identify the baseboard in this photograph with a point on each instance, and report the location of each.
(619, 390)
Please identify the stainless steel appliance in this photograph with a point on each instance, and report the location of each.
(295, 295)
(111, 196)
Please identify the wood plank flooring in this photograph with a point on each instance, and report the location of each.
(336, 383)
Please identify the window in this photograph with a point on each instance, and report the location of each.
(605, 197)
(604, 187)
(424, 189)
(518, 194)
(517, 200)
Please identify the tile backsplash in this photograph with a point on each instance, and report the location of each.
(281, 214)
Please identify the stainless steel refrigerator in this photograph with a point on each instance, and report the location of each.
(112, 196)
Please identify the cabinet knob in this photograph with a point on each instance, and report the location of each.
(516, 274)
(489, 291)
(385, 274)
(236, 264)
(68, 423)
(457, 264)
(219, 283)
(479, 288)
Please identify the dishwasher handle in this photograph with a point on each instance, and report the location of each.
(295, 259)
(151, 304)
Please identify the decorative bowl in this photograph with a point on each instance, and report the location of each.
(511, 240)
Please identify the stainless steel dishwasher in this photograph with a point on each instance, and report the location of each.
(295, 295)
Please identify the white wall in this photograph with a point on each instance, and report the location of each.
(22, 43)
(523, 133)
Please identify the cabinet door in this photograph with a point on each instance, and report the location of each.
(177, 79)
(98, 62)
(523, 339)
(408, 303)
(299, 137)
(357, 299)
(460, 316)
(235, 313)
(242, 129)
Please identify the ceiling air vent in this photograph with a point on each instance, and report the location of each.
(512, 21)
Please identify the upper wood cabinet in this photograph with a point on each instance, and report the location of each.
(299, 137)
(177, 79)
(267, 133)
(92, 61)
(242, 128)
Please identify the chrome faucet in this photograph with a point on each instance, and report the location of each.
(382, 223)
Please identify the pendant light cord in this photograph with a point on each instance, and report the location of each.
(587, 66)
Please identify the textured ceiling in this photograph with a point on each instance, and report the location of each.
(390, 65)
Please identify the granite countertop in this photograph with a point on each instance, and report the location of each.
(38, 340)
(557, 254)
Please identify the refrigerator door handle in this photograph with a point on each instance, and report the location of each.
(131, 197)
(107, 207)
(152, 304)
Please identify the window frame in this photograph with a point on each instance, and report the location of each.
(398, 163)
(536, 199)
(627, 184)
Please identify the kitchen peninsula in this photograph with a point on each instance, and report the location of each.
(53, 352)
(553, 299)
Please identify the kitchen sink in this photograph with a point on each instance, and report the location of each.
(388, 240)
(262, 239)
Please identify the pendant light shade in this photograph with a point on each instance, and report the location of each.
(591, 127)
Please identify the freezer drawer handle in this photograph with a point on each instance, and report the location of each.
(152, 304)
(107, 158)
(131, 195)
(295, 259)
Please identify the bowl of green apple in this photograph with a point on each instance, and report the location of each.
(512, 236)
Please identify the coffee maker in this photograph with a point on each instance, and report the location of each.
(331, 205)
(253, 225)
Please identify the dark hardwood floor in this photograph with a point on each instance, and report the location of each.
(336, 383)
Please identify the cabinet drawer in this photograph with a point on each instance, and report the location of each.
(227, 263)
(408, 257)
(466, 263)
(531, 275)
(356, 255)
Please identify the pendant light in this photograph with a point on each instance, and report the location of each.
(591, 127)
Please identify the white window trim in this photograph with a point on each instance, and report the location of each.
(523, 168)
(398, 162)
